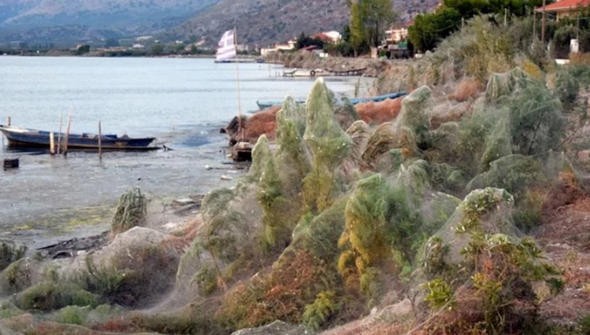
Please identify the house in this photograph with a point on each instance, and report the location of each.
(396, 34)
(290, 45)
(565, 8)
(328, 36)
(396, 42)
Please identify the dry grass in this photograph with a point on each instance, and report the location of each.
(467, 88)
(580, 58)
(379, 112)
(282, 294)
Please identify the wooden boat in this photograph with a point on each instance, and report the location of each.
(263, 104)
(377, 98)
(32, 138)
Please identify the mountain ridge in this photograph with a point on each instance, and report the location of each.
(259, 22)
(41, 21)
(264, 22)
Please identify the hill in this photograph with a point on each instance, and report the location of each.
(60, 23)
(52, 23)
(263, 22)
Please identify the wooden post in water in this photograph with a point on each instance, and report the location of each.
(99, 141)
(51, 143)
(67, 135)
(59, 135)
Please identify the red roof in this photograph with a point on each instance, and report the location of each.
(564, 5)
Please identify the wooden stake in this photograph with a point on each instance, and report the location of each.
(99, 141)
(59, 134)
(51, 143)
(67, 135)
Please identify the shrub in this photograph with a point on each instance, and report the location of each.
(466, 89)
(322, 308)
(72, 315)
(17, 276)
(47, 296)
(327, 143)
(131, 211)
(514, 173)
(440, 294)
(535, 119)
(381, 231)
(10, 252)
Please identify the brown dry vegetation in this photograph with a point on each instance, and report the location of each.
(375, 113)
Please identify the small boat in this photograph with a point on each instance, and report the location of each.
(377, 98)
(32, 138)
(263, 104)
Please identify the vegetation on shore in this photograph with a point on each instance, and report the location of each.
(424, 219)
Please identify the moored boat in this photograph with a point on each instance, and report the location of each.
(32, 138)
(263, 104)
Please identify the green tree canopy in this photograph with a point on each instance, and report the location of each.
(429, 29)
(368, 21)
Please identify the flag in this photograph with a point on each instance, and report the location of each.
(226, 47)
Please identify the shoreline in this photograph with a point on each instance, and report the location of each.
(56, 198)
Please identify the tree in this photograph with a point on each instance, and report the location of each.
(378, 15)
(305, 41)
(82, 49)
(368, 21)
(157, 49)
(429, 29)
(357, 29)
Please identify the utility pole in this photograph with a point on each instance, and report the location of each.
(543, 23)
(534, 24)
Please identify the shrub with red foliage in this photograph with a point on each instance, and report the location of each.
(466, 89)
(379, 112)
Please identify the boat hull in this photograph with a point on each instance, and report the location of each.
(30, 138)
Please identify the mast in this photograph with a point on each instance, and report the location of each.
(240, 129)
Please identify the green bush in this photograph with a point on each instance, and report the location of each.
(440, 294)
(131, 211)
(584, 325)
(72, 315)
(318, 313)
(9, 252)
(328, 145)
(319, 235)
(514, 173)
(17, 276)
(536, 120)
(47, 296)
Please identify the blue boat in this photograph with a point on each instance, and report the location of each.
(377, 98)
(263, 104)
(32, 138)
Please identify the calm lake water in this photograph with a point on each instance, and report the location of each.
(181, 101)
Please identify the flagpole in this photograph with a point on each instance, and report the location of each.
(241, 131)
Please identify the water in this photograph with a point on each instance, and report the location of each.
(183, 102)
